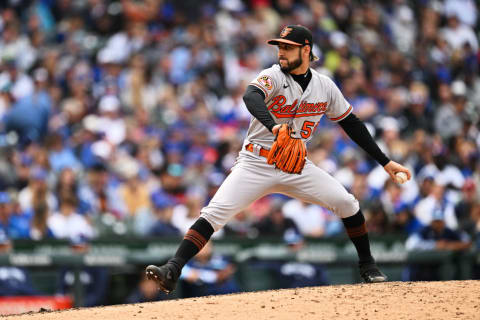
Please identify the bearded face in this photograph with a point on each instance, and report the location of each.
(287, 64)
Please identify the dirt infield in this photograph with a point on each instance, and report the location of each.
(393, 300)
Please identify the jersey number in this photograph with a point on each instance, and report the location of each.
(307, 129)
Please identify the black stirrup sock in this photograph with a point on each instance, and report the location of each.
(357, 232)
(193, 241)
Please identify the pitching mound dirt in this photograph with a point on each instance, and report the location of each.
(393, 300)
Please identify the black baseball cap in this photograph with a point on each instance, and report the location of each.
(296, 35)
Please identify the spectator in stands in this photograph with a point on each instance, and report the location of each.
(361, 190)
(60, 155)
(29, 116)
(447, 122)
(425, 186)
(310, 219)
(457, 34)
(208, 274)
(111, 124)
(275, 223)
(405, 221)
(13, 222)
(184, 215)
(13, 281)
(13, 174)
(140, 95)
(133, 191)
(391, 198)
(377, 220)
(39, 229)
(67, 182)
(99, 193)
(436, 236)
(37, 188)
(67, 223)
(68, 185)
(163, 211)
(241, 225)
(418, 115)
(436, 201)
(296, 274)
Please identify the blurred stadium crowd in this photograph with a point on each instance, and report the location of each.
(124, 117)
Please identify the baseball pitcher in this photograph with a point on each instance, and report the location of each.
(287, 101)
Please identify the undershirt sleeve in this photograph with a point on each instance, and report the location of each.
(254, 99)
(357, 131)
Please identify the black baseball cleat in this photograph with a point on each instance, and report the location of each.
(371, 274)
(165, 277)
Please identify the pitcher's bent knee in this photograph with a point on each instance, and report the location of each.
(215, 220)
(346, 206)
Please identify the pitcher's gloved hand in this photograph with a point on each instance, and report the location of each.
(287, 153)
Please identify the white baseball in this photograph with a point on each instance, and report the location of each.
(401, 177)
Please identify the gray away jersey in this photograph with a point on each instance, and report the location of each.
(287, 103)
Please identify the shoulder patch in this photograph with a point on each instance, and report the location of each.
(266, 82)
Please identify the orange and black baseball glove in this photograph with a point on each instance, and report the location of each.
(287, 153)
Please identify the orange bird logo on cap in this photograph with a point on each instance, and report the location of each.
(285, 32)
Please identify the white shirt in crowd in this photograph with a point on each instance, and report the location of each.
(456, 38)
(71, 226)
(310, 219)
(25, 199)
(425, 209)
